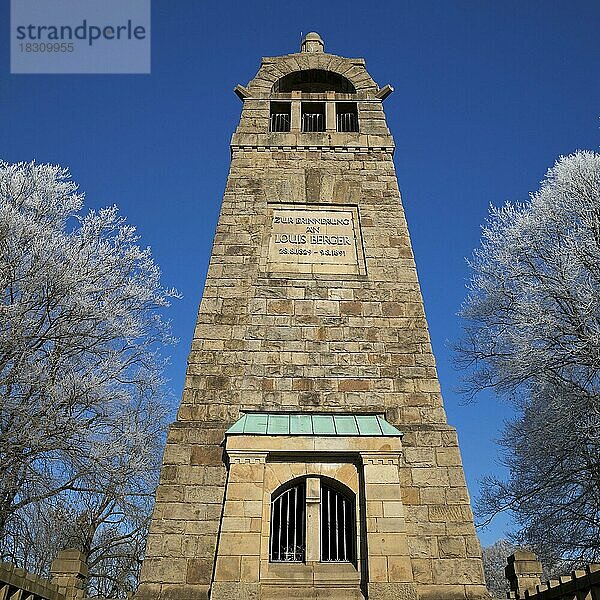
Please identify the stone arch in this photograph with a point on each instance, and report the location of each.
(337, 483)
(313, 80)
(275, 69)
(280, 474)
(286, 485)
(339, 486)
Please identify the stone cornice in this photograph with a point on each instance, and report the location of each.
(387, 149)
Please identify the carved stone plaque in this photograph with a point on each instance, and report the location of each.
(314, 239)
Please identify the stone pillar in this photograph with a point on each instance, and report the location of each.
(523, 572)
(238, 552)
(69, 571)
(296, 109)
(330, 112)
(313, 507)
(389, 563)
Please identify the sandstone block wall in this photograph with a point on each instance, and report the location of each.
(268, 340)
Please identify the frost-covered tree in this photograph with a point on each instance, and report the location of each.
(532, 334)
(111, 530)
(494, 561)
(82, 398)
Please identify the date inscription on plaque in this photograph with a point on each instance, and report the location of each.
(314, 240)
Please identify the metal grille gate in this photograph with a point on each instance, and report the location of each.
(347, 122)
(288, 525)
(313, 122)
(279, 122)
(337, 526)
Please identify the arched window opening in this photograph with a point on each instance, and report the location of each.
(338, 526)
(288, 525)
(317, 81)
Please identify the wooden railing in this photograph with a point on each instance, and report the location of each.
(580, 585)
(18, 584)
(524, 572)
(68, 571)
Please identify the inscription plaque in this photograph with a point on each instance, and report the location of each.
(309, 239)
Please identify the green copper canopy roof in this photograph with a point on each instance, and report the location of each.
(312, 424)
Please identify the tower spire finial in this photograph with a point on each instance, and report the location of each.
(312, 42)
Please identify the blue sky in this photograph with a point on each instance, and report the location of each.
(488, 95)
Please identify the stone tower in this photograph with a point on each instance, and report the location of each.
(311, 456)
